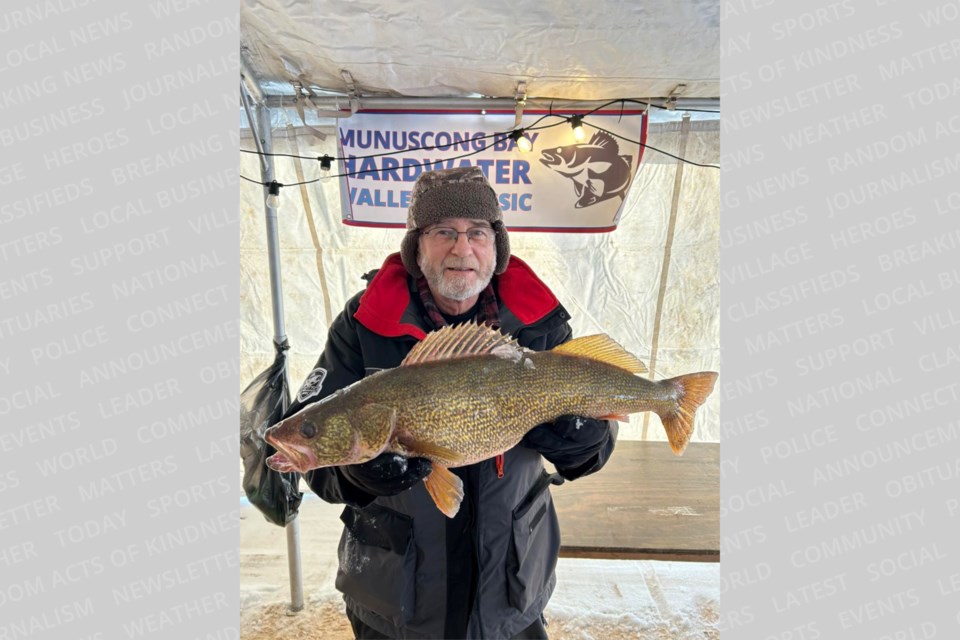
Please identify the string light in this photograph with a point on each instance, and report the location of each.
(517, 135)
(576, 122)
(273, 194)
(523, 143)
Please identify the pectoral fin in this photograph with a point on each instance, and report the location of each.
(446, 489)
(615, 416)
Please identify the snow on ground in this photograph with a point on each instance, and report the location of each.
(594, 599)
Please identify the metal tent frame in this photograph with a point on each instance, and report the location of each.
(264, 143)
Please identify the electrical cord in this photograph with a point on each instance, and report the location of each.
(625, 139)
(666, 153)
(535, 126)
(357, 173)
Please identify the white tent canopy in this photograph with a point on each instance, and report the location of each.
(575, 50)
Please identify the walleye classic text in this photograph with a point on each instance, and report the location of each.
(389, 169)
(401, 199)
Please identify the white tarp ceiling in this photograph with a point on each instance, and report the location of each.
(562, 49)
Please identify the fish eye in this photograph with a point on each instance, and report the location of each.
(559, 150)
(308, 430)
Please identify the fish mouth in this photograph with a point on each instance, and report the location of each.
(549, 159)
(291, 457)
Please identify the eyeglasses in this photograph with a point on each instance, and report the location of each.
(477, 236)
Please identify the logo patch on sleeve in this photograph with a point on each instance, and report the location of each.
(312, 385)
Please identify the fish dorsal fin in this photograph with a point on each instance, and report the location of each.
(461, 341)
(604, 139)
(602, 348)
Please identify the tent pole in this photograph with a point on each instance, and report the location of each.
(265, 145)
(334, 103)
(293, 563)
(273, 241)
(251, 122)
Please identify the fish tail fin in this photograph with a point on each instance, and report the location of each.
(692, 390)
(446, 490)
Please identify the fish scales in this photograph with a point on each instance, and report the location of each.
(480, 406)
(467, 393)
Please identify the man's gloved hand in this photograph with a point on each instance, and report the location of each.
(574, 444)
(388, 474)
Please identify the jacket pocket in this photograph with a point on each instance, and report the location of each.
(378, 561)
(532, 555)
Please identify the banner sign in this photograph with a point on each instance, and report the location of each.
(559, 185)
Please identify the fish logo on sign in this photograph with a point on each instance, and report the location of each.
(596, 168)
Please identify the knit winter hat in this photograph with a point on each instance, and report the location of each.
(452, 193)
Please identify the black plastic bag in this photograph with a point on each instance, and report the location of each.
(262, 404)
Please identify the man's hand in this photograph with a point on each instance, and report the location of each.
(388, 474)
(574, 444)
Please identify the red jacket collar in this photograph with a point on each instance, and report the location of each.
(383, 304)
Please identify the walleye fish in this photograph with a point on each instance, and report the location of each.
(467, 393)
(596, 168)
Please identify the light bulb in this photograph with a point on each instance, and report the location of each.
(325, 162)
(273, 194)
(522, 142)
(577, 123)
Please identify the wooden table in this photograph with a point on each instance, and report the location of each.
(645, 504)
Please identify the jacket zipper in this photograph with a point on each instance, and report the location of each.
(476, 552)
(544, 481)
(500, 465)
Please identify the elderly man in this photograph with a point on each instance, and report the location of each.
(406, 570)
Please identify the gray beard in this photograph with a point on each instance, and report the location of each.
(454, 288)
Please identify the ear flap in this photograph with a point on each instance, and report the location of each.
(502, 242)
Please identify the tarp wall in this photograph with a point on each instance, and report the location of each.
(609, 282)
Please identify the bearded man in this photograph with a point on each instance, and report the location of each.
(406, 570)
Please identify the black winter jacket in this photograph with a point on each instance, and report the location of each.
(407, 570)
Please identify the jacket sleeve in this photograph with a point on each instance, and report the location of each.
(340, 365)
(595, 463)
(544, 341)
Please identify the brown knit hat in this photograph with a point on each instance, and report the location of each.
(452, 193)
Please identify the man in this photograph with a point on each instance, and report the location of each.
(406, 570)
